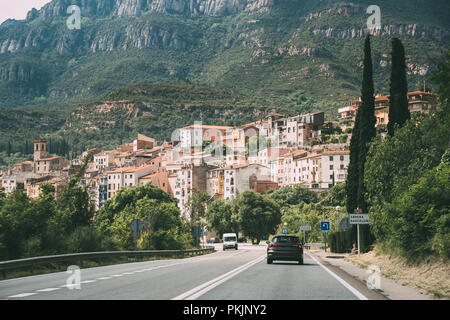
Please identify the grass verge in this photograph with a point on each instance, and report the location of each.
(431, 275)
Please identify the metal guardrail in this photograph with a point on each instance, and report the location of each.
(79, 257)
(318, 245)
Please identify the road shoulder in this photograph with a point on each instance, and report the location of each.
(358, 277)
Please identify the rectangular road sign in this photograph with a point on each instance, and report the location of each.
(305, 228)
(360, 218)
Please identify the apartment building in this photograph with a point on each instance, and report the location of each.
(189, 177)
(334, 165)
(125, 177)
(228, 182)
(418, 101)
(194, 135)
(13, 182)
(103, 160)
(421, 101)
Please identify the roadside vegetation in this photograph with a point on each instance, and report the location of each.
(406, 184)
(258, 216)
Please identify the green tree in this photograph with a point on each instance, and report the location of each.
(74, 200)
(286, 196)
(351, 185)
(422, 215)
(196, 205)
(14, 225)
(337, 196)
(367, 129)
(398, 101)
(163, 225)
(442, 77)
(219, 217)
(257, 215)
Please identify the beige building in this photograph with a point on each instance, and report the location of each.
(125, 177)
(158, 179)
(418, 101)
(47, 165)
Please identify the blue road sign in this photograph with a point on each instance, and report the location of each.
(325, 225)
(284, 231)
(136, 225)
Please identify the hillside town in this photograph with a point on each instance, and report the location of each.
(270, 153)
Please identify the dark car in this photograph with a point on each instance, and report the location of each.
(285, 247)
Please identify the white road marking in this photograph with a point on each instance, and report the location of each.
(358, 294)
(23, 295)
(48, 289)
(88, 281)
(207, 286)
(189, 260)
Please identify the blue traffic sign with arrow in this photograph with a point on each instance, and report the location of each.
(325, 225)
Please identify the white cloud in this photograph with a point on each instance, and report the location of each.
(18, 9)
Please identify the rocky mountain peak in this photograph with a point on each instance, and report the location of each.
(103, 8)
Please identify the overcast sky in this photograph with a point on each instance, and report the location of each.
(18, 9)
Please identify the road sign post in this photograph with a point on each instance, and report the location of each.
(325, 227)
(136, 226)
(304, 228)
(359, 218)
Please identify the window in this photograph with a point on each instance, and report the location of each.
(331, 158)
(285, 239)
(331, 167)
(342, 158)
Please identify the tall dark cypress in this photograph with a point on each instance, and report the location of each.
(367, 132)
(368, 120)
(353, 168)
(398, 101)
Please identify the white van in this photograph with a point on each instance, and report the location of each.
(230, 241)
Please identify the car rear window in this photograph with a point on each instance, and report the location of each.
(285, 239)
(229, 238)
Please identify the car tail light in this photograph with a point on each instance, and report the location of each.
(298, 245)
(272, 245)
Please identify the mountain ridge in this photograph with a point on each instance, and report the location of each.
(269, 48)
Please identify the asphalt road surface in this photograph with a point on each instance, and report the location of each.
(223, 275)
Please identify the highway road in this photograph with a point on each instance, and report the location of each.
(223, 275)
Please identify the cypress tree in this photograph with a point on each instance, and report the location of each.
(9, 148)
(352, 182)
(368, 120)
(398, 101)
(363, 132)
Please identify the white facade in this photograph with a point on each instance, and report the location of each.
(10, 183)
(126, 177)
(102, 161)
